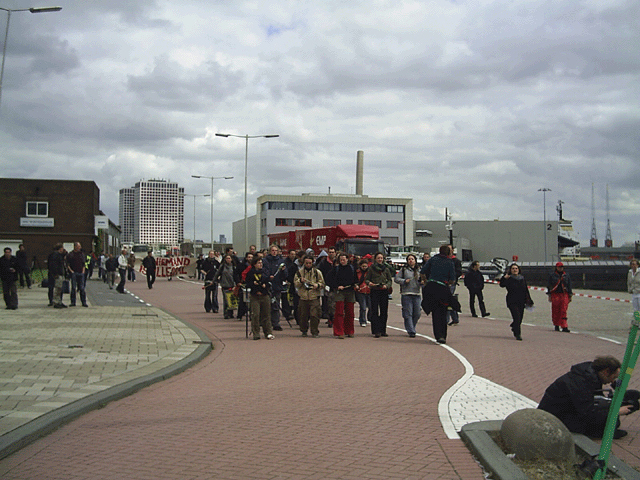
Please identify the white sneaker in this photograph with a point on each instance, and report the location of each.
(270, 337)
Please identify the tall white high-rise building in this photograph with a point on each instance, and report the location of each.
(152, 212)
(126, 215)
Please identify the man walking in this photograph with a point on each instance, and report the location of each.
(76, 266)
(309, 283)
(275, 268)
(24, 271)
(559, 291)
(55, 264)
(9, 274)
(122, 270)
(474, 281)
(149, 264)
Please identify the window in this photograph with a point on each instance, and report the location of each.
(37, 209)
(349, 222)
(293, 222)
(351, 207)
(393, 224)
(375, 208)
(304, 206)
(330, 223)
(375, 223)
(395, 209)
(280, 205)
(329, 207)
(390, 240)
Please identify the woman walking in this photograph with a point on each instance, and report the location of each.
(518, 297)
(409, 280)
(259, 284)
(379, 282)
(227, 277)
(343, 280)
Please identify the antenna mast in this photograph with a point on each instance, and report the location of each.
(608, 241)
(594, 236)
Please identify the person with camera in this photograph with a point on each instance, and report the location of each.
(576, 398)
(309, 284)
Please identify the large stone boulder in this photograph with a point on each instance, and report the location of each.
(533, 433)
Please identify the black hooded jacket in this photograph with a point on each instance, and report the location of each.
(571, 399)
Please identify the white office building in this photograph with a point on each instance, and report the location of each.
(154, 211)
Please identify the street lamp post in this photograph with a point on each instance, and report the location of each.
(6, 31)
(212, 179)
(246, 156)
(544, 213)
(194, 214)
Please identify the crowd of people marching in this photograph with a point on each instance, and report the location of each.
(306, 288)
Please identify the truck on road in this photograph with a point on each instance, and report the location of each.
(351, 239)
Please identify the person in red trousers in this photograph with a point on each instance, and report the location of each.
(559, 291)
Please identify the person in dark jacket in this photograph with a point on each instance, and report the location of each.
(439, 273)
(342, 279)
(258, 282)
(9, 274)
(452, 316)
(23, 263)
(379, 279)
(210, 267)
(275, 268)
(55, 265)
(149, 264)
(560, 294)
(474, 281)
(571, 397)
(518, 297)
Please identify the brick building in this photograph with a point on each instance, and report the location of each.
(41, 213)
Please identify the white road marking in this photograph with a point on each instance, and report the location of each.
(473, 398)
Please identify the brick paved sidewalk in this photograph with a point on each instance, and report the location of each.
(316, 408)
(51, 359)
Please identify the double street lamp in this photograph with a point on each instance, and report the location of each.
(246, 156)
(6, 32)
(194, 213)
(212, 179)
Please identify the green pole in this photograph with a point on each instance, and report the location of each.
(628, 364)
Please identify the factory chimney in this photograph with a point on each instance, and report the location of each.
(359, 172)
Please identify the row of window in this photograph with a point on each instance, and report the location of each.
(328, 222)
(293, 222)
(333, 207)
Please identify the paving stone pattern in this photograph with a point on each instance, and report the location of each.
(303, 408)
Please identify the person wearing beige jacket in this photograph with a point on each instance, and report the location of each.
(309, 284)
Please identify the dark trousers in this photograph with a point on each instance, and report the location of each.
(439, 321)
(517, 312)
(287, 311)
(24, 275)
(78, 284)
(10, 293)
(211, 298)
(379, 311)
(151, 277)
(123, 279)
(472, 302)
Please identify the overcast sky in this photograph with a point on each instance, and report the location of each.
(466, 105)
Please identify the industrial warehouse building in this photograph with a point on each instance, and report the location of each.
(484, 240)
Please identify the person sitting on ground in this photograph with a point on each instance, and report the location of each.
(572, 397)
